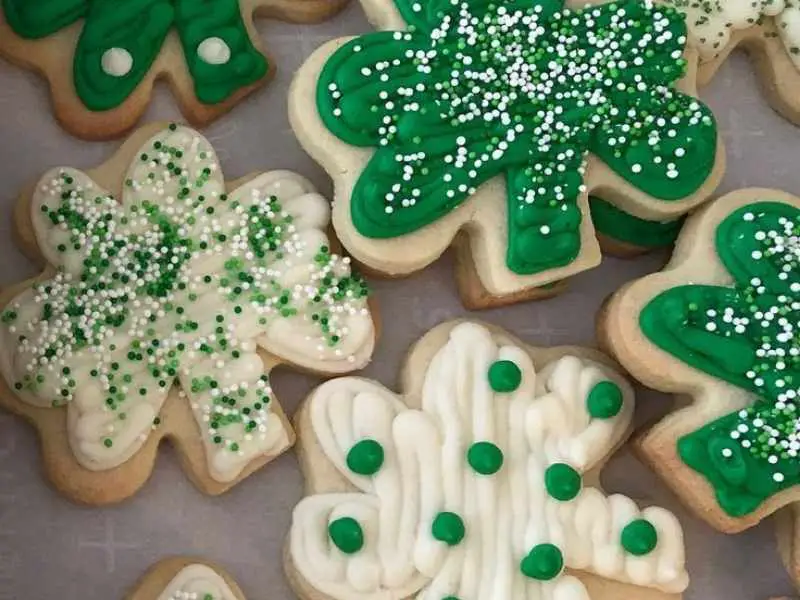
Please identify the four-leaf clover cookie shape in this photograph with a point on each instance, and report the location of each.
(768, 30)
(486, 125)
(186, 578)
(103, 57)
(478, 481)
(721, 324)
(162, 310)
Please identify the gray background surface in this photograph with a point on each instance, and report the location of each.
(52, 549)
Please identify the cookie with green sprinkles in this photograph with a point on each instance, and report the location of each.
(102, 59)
(767, 30)
(185, 578)
(721, 324)
(486, 125)
(168, 297)
(485, 487)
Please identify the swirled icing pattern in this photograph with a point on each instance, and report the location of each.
(477, 494)
(178, 281)
(197, 582)
(746, 334)
(524, 90)
(120, 41)
(712, 22)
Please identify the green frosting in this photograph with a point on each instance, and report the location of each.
(448, 527)
(544, 562)
(134, 31)
(485, 458)
(639, 537)
(365, 457)
(34, 19)
(524, 97)
(745, 334)
(504, 376)
(562, 482)
(346, 534)
(624, 227)
(604, 400)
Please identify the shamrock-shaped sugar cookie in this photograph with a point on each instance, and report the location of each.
(180, 281)
(487, 124)
(477, 482)
(721, 324)
(102, 57)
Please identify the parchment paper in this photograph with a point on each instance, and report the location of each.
(51, 549)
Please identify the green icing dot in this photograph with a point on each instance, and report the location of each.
(639, 537)
(504, 376)
(346, 534)
(365, 457)
(605, 400)
(448, 528)
(562, 482)
(544, 562)
(485, 458)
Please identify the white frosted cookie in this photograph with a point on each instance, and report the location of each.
(485, 127)
(769, 30)
(180, 578)
(478, 480)
(168, 298)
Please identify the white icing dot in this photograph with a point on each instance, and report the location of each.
(214, 51)
(116, 62)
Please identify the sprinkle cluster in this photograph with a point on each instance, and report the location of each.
(173, 285)
(770, 430)
(525, 90)
(712, 21)
(528, 74)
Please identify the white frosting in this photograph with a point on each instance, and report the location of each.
(104, 437)
(197, 582)
(116, 62)
(214, 51)
(711, 23)
(425, 471)
(789, 29)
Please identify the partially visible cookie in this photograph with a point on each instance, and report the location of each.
(478, 480)
(445, 129)
(622, 234)
(768, 30)
(184, 578)
(103, 58)
(721, 324)
(168, 296)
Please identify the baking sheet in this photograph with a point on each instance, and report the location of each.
(51, 549)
